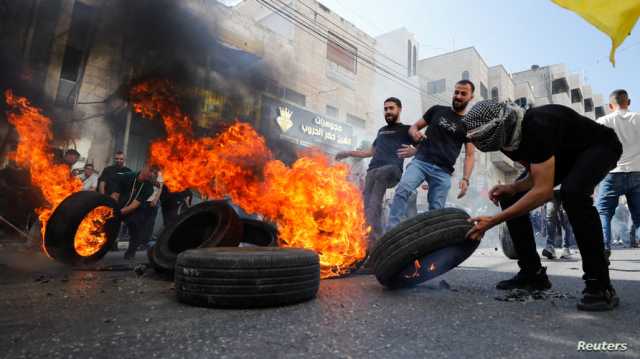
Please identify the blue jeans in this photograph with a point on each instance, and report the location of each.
(417, 172)
(557, 221)
(611, 188)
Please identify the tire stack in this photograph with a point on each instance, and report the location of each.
(207, 224)
(422, 248)
(200, 251)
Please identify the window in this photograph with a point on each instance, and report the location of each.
(332, 111)
(71, 64)
(409, 64)
(465, 75)
(588, 105)
(295, 97)
(599, 111)
(483, 91)
(434, 87)
(288, 94)
(342, 53)
(74, 53)
(415, 60)
(559, 86)
(494, 94)
(356, 121)
(522, 102)
(576, 96)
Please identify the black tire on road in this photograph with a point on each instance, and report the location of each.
(259, 233)
(247, 277)
(435, 238)
(61, 228)
(506, 242)
(161, 270)
(207, 224)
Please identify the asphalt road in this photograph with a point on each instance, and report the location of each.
(49, 311)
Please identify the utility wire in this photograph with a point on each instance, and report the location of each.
(364, 60)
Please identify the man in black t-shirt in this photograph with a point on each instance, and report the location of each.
(391, 146)
(558, 146)
(437, 153)
(131, 190)
(109, 172)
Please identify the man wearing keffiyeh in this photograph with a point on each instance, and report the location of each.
(557, 146)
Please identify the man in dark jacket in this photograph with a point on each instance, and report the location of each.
(131, 190)
(558, 146)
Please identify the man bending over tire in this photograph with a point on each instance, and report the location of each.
(559, 147)
(132, 190)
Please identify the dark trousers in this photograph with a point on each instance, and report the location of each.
(576, 190)
(377, 181)
(150, 215)
(135, 223)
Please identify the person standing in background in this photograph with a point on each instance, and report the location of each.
(89, 178)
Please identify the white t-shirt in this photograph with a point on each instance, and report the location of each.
(626, 124)
(90, 183)
(156, 189)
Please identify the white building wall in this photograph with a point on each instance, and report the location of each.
(501, 80)
(392, 53)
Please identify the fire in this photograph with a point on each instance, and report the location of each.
(432, 267)
(312, 202)
(54, 180)
(416, 273)
(90, 236)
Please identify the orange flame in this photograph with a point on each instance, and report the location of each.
(416, 273)
(312, 202)
(432, 267)
(54, 180)
(90, 236)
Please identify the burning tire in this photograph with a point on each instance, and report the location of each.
(422, 248)
(259, 233)
(506, 242)
(207, 224)
(247, 277)
(64, 226)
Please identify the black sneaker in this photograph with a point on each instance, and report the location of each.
(547, 253)
(523, 280)
(598, 300)
(607, 255)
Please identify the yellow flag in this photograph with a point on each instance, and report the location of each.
(615, 18)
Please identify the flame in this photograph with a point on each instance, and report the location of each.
(90, 236)
(312, 202)
(432, 267)
(416, 273)
(54, 180)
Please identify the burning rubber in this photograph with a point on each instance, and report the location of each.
(82, 228)
(422, 248)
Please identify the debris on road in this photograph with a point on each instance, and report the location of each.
(521, 295)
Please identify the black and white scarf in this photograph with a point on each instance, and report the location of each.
(494, 126)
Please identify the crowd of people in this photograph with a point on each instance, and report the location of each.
(565, 156)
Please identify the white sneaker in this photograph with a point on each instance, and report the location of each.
(567, 254)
